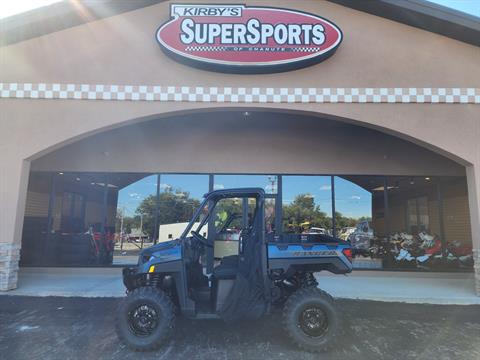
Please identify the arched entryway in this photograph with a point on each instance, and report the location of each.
(403, 205)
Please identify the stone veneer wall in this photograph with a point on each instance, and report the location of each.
(476, 266)
(9, 257)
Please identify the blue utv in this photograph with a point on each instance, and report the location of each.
(245, 280)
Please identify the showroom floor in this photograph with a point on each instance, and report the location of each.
(409, 287)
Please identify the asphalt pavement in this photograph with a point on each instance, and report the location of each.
(50, 328)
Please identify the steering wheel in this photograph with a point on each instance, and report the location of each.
(200, 238)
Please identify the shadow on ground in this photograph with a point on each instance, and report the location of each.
(82, 328)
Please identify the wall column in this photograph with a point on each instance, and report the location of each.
(13, 194)
(473, 180)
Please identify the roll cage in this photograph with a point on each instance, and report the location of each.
(211, 199)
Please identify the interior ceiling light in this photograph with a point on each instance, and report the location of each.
(108, 185)
(427, 178)
(381, 188)
(60, 173)
(78, 179)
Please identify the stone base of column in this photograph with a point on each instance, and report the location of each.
(476, 266)
(9, 257)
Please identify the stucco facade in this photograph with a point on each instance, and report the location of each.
(121, 50)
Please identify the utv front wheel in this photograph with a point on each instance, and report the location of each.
(311, 320)
(145, 319)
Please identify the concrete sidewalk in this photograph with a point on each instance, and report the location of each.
(408, 287)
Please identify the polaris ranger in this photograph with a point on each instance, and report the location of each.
(183, 276)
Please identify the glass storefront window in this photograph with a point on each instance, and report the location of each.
(266, 182)
(353, 213)
(180, 196)
(417, 214)
(307, 204)
(77, 219)
(270, 215)
(73, 212)
(135, 221)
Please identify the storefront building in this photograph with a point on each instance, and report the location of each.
(356, 122)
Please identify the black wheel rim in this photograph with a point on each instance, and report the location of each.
(143, 320)
(313, 321)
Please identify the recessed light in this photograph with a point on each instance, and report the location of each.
(427, 179)
(60, 173)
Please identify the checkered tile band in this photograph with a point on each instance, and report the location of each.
(206, 48)
(239, 94)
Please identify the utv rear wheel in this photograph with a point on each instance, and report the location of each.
(145, 319)
(311, 320)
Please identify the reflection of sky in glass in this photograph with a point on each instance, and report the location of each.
(132, 195)
(317, 186)
(351, 200)
(196, 185)
(266, 182)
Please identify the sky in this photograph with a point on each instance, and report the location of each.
(12, 7)
(471, 7)
(351, 200)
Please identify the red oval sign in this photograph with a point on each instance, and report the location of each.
(244, 39)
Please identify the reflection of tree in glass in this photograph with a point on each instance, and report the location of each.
(224, 209)
(303, 214)
(343, 221)
(174, 207)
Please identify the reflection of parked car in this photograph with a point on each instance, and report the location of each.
(361, 238)
(317, 230)
(345, 233)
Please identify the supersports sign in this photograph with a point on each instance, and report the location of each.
(244, 39)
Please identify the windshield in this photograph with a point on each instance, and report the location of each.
(198, 220)
(230, 216)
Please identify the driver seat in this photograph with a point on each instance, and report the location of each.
(227, 269)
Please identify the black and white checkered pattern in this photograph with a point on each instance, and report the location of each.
(239, 94)
(305, 49)
(205, 48)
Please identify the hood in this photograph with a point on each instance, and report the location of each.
(160, 247)
(161, 253)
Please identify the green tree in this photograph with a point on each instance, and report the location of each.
(303, 212)
(343, 221)
(174, 207)
(225, 208)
